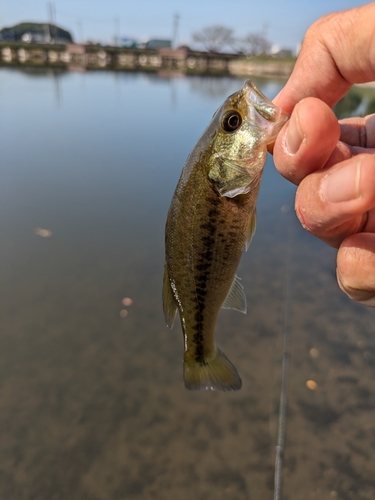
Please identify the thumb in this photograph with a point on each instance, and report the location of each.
(355, 268)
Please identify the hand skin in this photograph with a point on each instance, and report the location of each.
(333, 163)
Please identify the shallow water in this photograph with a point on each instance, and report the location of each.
(92, 401)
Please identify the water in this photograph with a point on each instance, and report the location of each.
(92, 401)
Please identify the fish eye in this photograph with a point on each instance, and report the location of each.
(231, 121)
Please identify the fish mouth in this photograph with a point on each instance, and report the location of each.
(268, 116)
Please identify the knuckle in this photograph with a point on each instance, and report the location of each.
(319, 27)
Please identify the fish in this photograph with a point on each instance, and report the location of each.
(211, 219)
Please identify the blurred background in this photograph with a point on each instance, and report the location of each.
(100, 104)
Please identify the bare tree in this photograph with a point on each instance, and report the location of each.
(214, 38)
(253, 44)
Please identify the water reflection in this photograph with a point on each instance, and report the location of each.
(93, 405)
(211, 87)
(360, 101)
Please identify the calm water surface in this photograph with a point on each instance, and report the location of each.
(92, 401)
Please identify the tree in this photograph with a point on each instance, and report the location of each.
(253, 44)
(39, 32)
(214, 38)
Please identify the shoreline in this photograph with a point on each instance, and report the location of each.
(78, 57)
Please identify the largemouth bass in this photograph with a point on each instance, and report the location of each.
(211, 219)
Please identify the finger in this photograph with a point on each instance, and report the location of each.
(358, 131)
(333, 203)
(356, 268)
(307, 141)
(344, 151)
(335, 54)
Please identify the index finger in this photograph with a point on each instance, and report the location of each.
(358, 131)
(336, 53)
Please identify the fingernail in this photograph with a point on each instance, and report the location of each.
(294, 135)
(342, 184)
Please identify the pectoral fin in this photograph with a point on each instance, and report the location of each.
(230, 179)
(236, 298)
(251, 230)
(169, 302)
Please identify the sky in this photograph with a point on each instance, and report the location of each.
(283, 22)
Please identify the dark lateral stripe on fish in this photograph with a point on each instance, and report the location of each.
(203, 267)
(211, 228)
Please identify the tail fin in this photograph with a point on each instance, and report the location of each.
(217, 374)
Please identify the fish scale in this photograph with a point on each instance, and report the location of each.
(210, 220)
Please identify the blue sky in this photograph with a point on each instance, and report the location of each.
(283, 21)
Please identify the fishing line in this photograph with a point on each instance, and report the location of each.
(284, 368)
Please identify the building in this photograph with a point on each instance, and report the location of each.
(156, 44)
(36, 33)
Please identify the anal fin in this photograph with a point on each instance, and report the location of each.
(236, 298)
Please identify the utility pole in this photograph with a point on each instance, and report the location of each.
(80, 31)
(176, 19)
(47, 32)
(52, 22)
(117, 31)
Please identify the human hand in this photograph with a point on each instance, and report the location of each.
(333, 162)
